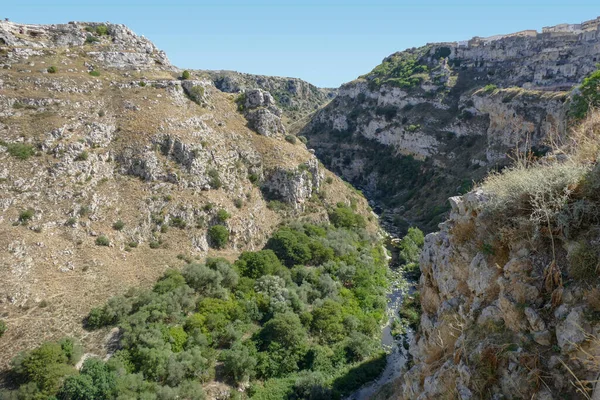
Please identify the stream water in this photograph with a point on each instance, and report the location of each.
(397, 354)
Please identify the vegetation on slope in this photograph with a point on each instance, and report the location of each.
(298, 319)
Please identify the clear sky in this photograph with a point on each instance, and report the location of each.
(325, 42)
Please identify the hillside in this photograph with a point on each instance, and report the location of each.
(428, 121)
(509, 289)
(113, 169)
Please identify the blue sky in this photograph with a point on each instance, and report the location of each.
(325, 42)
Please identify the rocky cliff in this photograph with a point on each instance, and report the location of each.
(428, 121)
(297, 98)
(509, 287)
(113, 168)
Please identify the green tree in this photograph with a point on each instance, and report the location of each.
(290, 246)
(344, 217)
(185, 75)
(218, 236)
(255, 264)
(239, 362)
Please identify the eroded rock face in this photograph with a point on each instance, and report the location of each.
(445, 129)
(296, 186)
(295, 97)
(262, 114)
(488, 316)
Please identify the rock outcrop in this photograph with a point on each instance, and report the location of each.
(428, 121)
(497, 321)
(294, 96)
(262, 114)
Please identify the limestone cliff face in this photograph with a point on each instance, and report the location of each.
(111, 167)
(497, 321)
(435, 118)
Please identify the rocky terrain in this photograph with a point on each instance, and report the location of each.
(298, 99)
(428, 121)
(509, 289)
(113, 168)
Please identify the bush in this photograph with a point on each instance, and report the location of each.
(238, 203)
(290, 139)
(91, 39)
(21, 151)
(588, 96)
(52, 69)
(83, 156)
(102, 30)
(584, 262)
(102, 241)
(223, 215)
(178, 222)
(185, 75)
(71, 222)
(3, 327)
(531, 190)
(26, 215)
(119, 225)
(214, 179)
(218, 235)
(489, 88)
(94, 73)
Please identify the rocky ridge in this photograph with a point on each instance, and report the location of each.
(440, 116)
(297, 98)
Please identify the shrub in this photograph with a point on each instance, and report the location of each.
(91, 39)
(214, 179)
(223, 215)
(584, 262)
(26, 215)
(102, 241)
(72, 221)
(52, 69)
(531, 189)
(303, 139)
(178, 222)
(21, 151)
(102, 30)
(154, 244)
(290, 139)
(94, 73)
(119, 225)
(218, 236)
(83, 156)
(410, 310)
(238, 203)
(185, 75)
(588, 96)
(489, 88)
(196, 94)
(413, 128)
(3, 327)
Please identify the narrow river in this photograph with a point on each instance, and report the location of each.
(397, 354)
